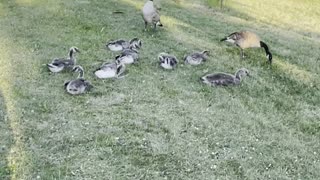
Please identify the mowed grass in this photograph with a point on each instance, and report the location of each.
(157, 124)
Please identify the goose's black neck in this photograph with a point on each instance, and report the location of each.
(268, 53)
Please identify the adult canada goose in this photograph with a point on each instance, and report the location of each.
(247, 39)
(167, 61)
(79, 85)
(58, 64)
(110, 70)
(196, 58)
(150, 15)
(120, 44)
(224, 79)
(128, 56)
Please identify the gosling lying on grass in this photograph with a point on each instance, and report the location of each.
(119, 45)
(128, 56)
(110, 70)
(58, 64)
(167, 61)
(224, 79)
(196, 58)
(79, 85)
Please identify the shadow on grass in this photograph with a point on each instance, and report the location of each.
(6, 140)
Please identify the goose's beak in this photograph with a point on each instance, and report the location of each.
(224, 39)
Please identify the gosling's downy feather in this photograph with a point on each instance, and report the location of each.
(196, 58)
(79, 85)
(58, 64)
(224, 79)
(135, 43)
(110, 70)
(119, 45)
(128, 56)
(167, 61)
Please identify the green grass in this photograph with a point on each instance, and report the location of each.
(156, 124)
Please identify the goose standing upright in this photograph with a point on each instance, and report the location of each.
(79, 85)
(150, 15)
(247, 39)
(224, 79)
(58, 64)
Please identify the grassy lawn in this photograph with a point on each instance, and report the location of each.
(157, 124)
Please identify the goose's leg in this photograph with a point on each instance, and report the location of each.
(241, 53)
(145, 26)
(154, 27)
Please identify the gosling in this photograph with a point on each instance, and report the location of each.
(224, 79)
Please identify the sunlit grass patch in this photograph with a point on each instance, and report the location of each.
(17, 157)
(2, 10)
(29, 2)
(295, 72)
(137, 4)
(282, 13)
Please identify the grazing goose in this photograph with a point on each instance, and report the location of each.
(167, 61)
(58, 64)
(150, 15)
(247, 39)
(119, 45)
(128, 56)
(79, 85)
(196, 58)
(110, 70)
(224, 79)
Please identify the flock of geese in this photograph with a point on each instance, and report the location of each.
(130, 54)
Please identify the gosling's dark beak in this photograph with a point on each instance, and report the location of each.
(77, 50)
